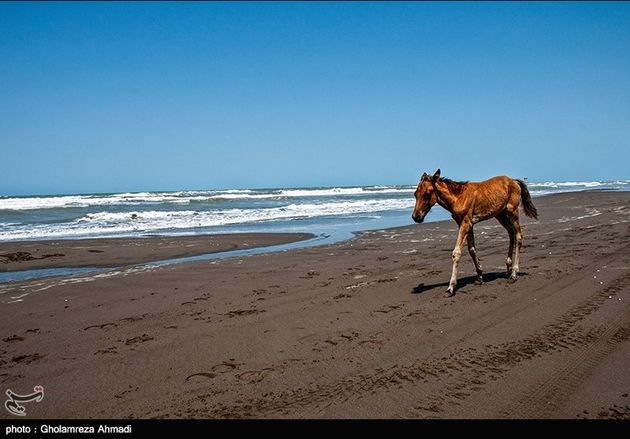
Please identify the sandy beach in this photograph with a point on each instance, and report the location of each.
(113, 252)
(357, 329)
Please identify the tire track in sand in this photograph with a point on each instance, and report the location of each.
(545, 397)
(458, 375)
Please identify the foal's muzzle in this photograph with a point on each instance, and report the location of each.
(418, 218)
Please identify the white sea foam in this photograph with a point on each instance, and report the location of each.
(188, 197)
(117, 223)
(69, 201)
(550, 187)
(562, 184)
(304, 193)
(182, 197)
(342, 191)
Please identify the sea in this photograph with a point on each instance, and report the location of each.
(333, 212)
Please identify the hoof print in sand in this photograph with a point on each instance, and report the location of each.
(109, 350)
(388, 308)
(27, 359)
(13, 338)
(202, 374)
(103, 326)
(139, 339)
(372, 343)
(243, 312)
(132, 319)
(215, 370)
(335, 340)
(254, 376)
(224, 367)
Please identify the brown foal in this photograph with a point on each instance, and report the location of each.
(469, 203)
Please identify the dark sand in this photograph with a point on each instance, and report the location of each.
(113, 252)
(352, 330)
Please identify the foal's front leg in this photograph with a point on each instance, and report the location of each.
(464, 228)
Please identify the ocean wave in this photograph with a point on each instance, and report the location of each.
(562, 184)
(218, 196)
(183, 197)
(78, 201)
(145, 222)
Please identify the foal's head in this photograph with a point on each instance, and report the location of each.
(425, 196)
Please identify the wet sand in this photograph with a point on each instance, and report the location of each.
(114, 252)
(357, 329)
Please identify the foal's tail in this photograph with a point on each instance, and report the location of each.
(528, 206)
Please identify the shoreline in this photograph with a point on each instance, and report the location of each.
(125, 252)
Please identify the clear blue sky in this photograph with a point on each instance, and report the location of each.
(104, 97)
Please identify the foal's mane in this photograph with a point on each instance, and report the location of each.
(454, 187)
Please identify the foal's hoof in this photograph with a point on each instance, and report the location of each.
(449, 293)
(479, 280)
(512, 279)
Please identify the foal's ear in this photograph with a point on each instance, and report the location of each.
(436, 175)
(424, 175)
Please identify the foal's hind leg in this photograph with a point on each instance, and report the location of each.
(513, 217)
(505, 222)
(473, 255)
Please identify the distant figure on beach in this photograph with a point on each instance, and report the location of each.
(471, 202)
